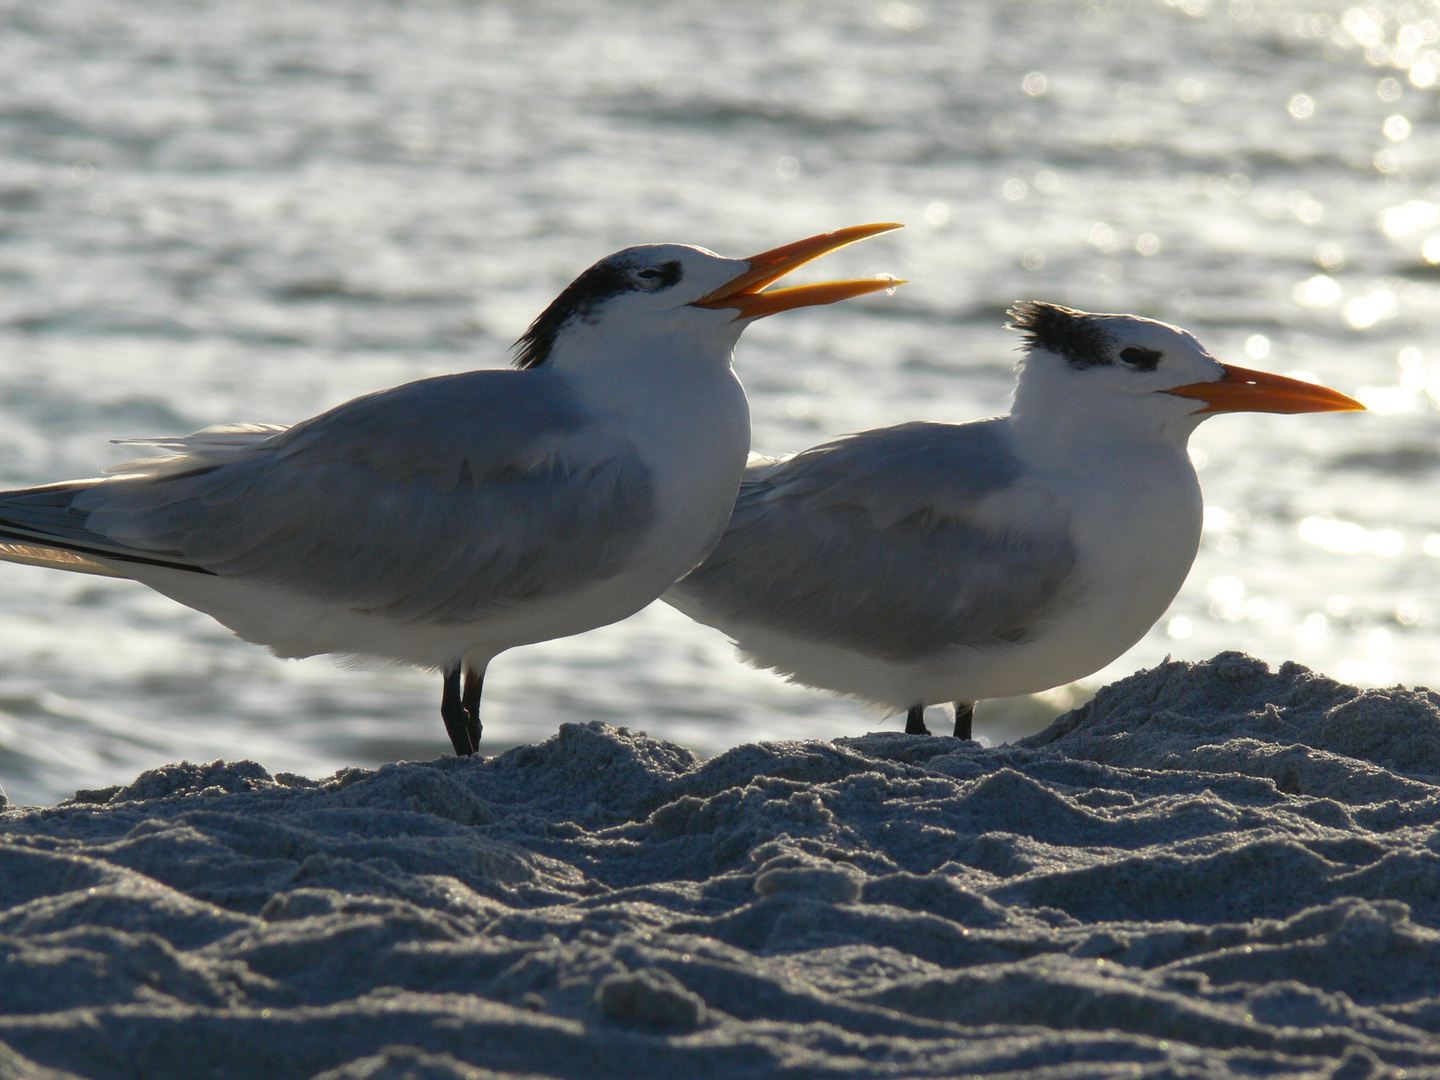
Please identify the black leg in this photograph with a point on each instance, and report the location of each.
(915, 721)
(963, 715)
(453, 712)
(471, 700)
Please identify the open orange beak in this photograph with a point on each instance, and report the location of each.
(744, 292)
(1243, 390)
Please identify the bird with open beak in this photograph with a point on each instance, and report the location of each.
(444, 521)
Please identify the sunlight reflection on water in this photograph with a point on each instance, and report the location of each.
(254, 211)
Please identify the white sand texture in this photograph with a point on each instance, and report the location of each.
(1210, 870)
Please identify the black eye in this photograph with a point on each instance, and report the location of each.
(655, 278)
(1141, 359)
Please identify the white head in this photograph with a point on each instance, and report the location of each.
(1127, 377)
(677, 301)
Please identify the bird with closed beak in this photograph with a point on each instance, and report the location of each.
(933, 563)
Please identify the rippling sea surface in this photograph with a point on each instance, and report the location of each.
(214, 212)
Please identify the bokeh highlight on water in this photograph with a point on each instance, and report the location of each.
(254, 210)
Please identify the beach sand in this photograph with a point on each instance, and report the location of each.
(1208, 870)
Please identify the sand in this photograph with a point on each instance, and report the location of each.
(1208, 870)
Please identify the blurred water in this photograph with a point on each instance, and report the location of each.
(252, 211)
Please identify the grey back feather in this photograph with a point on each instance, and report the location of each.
(871, 543)
(432, 501)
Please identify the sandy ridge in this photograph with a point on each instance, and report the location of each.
(1209, 870)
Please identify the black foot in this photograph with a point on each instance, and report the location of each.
(963, 715)
(456, 715)
(915, 721)
(471, 700)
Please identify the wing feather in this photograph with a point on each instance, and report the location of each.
(433, 501)
(878, 542)
(55, 559)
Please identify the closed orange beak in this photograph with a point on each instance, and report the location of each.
(1243, 390)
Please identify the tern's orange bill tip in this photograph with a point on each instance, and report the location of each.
(1245, 390)
(812, 247)
(770, 266)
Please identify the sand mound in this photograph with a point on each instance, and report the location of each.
(1208, 870)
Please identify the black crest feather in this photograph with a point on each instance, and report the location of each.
(1075, 335)
(579, 299)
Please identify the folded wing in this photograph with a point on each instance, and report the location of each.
(893, 543)
(436, 501)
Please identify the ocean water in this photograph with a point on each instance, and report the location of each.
(215, 212)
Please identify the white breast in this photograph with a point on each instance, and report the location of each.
(1135, 522)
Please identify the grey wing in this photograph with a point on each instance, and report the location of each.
(874, 543)
(433, 501)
